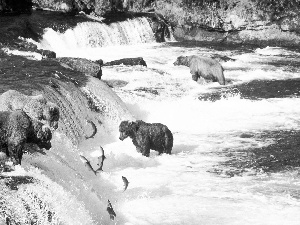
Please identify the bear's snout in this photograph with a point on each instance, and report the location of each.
(54, 124)
(195, 77)
(122, 136)
(44, 144)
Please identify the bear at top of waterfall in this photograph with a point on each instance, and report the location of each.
(16, 129)
(36, 107)
(146, 136)
(205, 67)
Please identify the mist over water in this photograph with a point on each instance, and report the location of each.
(228, 163)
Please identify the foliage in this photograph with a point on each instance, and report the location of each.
(211, 13)
(215, 12)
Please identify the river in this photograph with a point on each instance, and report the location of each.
(236, 152)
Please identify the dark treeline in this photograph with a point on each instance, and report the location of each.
(179, 12)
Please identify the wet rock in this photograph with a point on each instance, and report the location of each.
(160, 26)
(222, 58)
(12, 7)
(282, 155)
(47, 53)
(115, 83)
(147, 90)
(24, 46)
(99, 61)
(199, 34)
(256, 90)
(14, 181)
(28, 76)
(82, 65)
(127, 62)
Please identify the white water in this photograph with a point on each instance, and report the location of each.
(178, 188)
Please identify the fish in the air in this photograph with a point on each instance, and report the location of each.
(111, 211)
(94, 129)
(126, 182)
(101, 159)
(87, 164)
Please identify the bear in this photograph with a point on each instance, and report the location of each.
(36, 107)
(17, 129)
(146, 136)
(205, 67)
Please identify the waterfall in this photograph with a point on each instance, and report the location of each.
(96, 34)
(55, 186)
(95, 102)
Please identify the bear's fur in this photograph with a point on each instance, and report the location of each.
(146, 136)
(36, 107)
(205, 67)
(16, 129)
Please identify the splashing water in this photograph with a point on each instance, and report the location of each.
(220, 170)
(93, 34)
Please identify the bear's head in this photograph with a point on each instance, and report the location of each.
(51, 115)
(40, 109)
(127, 129)
(40, 134)
(182, 60)
(195, 77)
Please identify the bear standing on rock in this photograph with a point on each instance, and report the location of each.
(16, 129)
(36, 107)
(205, 67)
(146, 136)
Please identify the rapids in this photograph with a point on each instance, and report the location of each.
(235, 158)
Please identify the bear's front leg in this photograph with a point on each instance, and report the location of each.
(11, 154)
(20, 154)
(138, 149)
(146, 152)
(195, 77)
(15, 153)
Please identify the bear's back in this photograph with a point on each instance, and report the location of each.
(158, 133)
(203, 61)
(209, 68)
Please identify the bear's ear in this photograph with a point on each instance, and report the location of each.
(185, 60)
(134, 126)
(54, 112)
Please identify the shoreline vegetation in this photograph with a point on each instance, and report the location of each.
(267, 22)
(254, 22)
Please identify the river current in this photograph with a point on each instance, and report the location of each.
(236, 153)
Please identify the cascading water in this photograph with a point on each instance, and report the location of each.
(95, 102)
(235, 156)
(95, 34)
(39, 201)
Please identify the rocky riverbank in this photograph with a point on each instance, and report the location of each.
(256, 32)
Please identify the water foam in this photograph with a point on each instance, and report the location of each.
(189, 186)
(96, 34)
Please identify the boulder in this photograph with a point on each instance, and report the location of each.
(46, 53)
(82, 65)
(127, 62)
(15, 6)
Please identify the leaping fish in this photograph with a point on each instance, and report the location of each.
(111, 211)
(101, 159)
(126, 182)
(87, 164)
(94, 129)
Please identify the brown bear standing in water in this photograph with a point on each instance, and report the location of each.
(205, 67)
(146, 136)
(16, 129)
